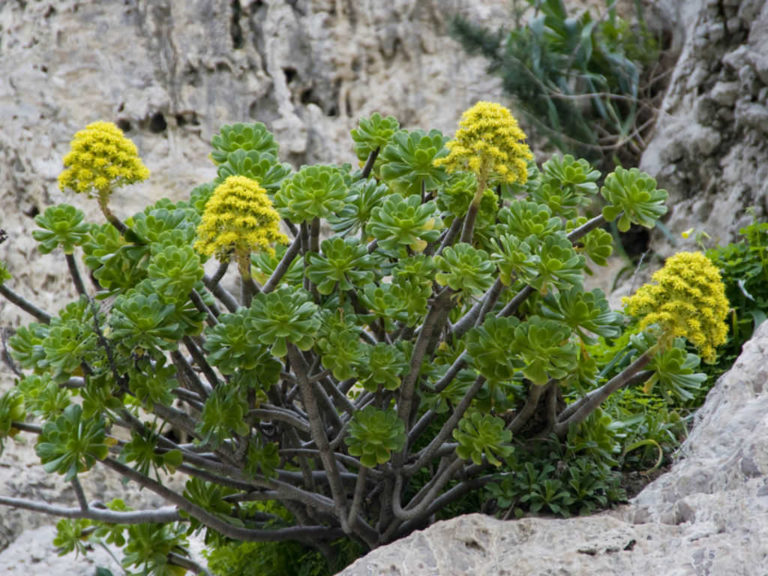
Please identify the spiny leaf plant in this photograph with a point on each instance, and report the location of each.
(361, 383)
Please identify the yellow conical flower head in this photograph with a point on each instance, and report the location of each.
(101, 159)
(687, 300)
(489, 143)
(238, 217)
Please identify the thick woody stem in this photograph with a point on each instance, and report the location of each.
(319, 435)
(579, 411)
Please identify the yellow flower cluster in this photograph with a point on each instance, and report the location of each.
(687, 300)
(238, 217)
(101, 158)
(489, 143)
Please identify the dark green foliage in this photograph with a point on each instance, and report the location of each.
(586, 313)
(465, 269)
(582, 81)
(343, 265)
(514, 259)
(257, 165)
(364, 196)
(633, 198)
(72, 536)
(142, 450)
(404, 223)
(558, 263)
(279, 559)
(744, 269)
(483, 436)
(526, 218)
(43, 396)
(223, 415)
(567, 184)
(597, 245)
(148, 546)
(373, 134)
(407, 161)
(381, 366)
(312, 192)
(142, 323)
(284, 316)
(374, 434)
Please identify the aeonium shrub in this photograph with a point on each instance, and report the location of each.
(358, 384)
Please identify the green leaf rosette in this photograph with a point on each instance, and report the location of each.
(374, 434)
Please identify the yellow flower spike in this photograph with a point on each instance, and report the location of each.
(687, 300)
(101, 159)
(239, 218)
(489, 142)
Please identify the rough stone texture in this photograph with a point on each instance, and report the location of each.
(33, 554)
(707, 516)
(709, 149)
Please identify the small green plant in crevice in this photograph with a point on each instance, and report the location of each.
(744, 268)
(588, 84)
(438, 342)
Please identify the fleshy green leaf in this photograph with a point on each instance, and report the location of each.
(247, 137)
(283, 316)
(374, 434)
(312, 192)
(60, 225)
(633, 199)
(372, 133)
(481, 435)
(71, 444)
(465, 269)
(407, 162)
(404, 222)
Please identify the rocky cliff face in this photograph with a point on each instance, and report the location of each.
(170, 72)
(710, 148)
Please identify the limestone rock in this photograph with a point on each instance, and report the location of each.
(707, 516)
(33, 553)
(709, 147)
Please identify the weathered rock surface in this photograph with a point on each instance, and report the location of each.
(707, 516)
(709, 150)
(33, 554)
